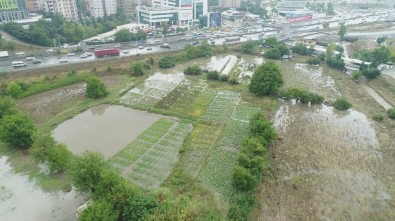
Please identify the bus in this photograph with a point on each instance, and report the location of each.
(17, 64)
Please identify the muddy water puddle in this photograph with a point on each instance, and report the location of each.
(328, 164)
(21, 200)
(105, 128)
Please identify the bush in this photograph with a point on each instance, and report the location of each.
(300, 49)
(303, 95)
(223, 78)
(212, 75)
(322, 56)
(17, 130)
(313, 61)
(72, 73)
(233, 80)
(262, 129)
(356, 75)
(342, 104)
(7, 107)
(391, 113)
(243, 180)
(273, 53)
(14, 90)
(249, 47)
(95, 88)
(337, 63)
(167, 62)
(193, 70)
(378, 117)
(137, 69)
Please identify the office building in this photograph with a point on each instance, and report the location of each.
(174, 12)
(229, 3)
(34, 5)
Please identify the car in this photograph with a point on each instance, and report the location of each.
(50, 50)
(30, 58)
(157, 40)
(141, 47)
(126, 52)
(165, 45)
(63, 60)
(195, 43)
(149, 49)
(71, 54)
(37, 61)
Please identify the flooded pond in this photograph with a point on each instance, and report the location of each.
(19, 199)
(105, 128)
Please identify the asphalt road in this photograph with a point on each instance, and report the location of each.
(178, 42)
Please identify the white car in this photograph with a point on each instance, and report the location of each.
(71, 54)
(141, 47)
(63, 60)
(149, 49)
(30, 58)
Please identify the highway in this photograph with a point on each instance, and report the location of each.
(129, 49)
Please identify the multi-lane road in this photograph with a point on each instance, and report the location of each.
(178, 42)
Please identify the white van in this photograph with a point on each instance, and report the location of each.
(17, 64)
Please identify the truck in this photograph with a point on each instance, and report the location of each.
(107, 52)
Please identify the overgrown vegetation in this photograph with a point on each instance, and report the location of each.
(95, 88)
(304, 96)
(249, 47)
(193, 70)
(313, 61)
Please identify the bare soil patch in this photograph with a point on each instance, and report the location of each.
(43, 106)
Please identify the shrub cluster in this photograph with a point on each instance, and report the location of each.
(193, 70)
(303, 95)
(313, 61)
(342, 104)
(252, 161)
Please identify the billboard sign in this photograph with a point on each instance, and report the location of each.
(185, 15)
(300, 18)
(215, 19)
(186, 3)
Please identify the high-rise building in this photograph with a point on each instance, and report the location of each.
(67, 8)
(11, 10)
(127, 6)
(101, 8)
(229, 3)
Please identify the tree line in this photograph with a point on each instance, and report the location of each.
(54, 29)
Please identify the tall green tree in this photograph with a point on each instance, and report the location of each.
(86, 171)
(123, 35)
(95, 88)
(58, 158)
(380, 56)
(17, 130)
(42, 143)
(249, 47)
(342, 31)
(137, 69)
(267, 80)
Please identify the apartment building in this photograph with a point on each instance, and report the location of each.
(34, 5)
(174, 12)
(101, 8)
(13, 10)
(67, 8)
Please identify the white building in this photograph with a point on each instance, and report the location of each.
(173, 12)
(100, 8)
(67, 8)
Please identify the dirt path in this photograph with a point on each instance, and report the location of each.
(376, 96)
